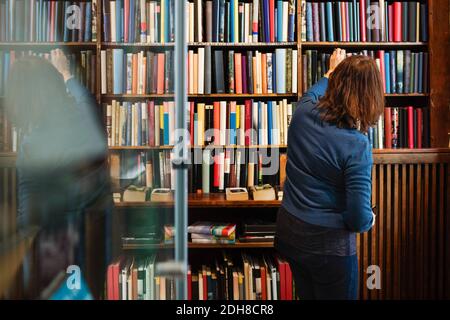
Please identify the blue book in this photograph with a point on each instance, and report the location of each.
(370, 136)
(291, 24)
(118, 20)
(266, 21)
(393, 57)
(6, 63)
(269, 122)
(195, 128)
(215, 20)
(309, 24)
(166, 128)
(129, 123)
(355, 21)
(330, 23)
(387, 71)
(339, 24)
(399, 73)
(280, 56)
(420, 73)
(350, 21)
(279, 20)
(87, 28)
(131, 22)
(221, 35)
(274, 73)
(117, 71)
(66, 30)
(275, 25)
(167, 21)
(358, 33)
(231, 21)
(323, 36)
(228, 22)
(232, 127)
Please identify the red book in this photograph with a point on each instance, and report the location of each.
(248, 121)
(191, 123)
(52, 20)
(205, 286)
(115, 275)
(216, 171)
(244, 73)
(109, 283)
(419, 127)
(288, 282)
(410, 112)
(380, 55)
(151, 123)
(391, 22)
(216, 122)
(397, 21)
(282, 271)
(263, 283)
(126, 13)
(134, 74)
(272, 20)
(387, 128)
(160, 74)
(362, 19)
(189, 284)
(238, 72)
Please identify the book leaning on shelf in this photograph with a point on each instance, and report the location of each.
(136, 73)
(48, 21)
(236, 72)
(141, 21)
(393, 21)
(245, 277)
(241, 21)
(402, 71)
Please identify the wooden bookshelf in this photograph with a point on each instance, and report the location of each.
(48, 44)
(211, 146)
(237, 245)
(363, 44)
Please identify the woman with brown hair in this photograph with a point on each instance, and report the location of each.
(328, 186)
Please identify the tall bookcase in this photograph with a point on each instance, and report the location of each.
(214, 205)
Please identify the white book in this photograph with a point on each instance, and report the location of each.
(191, 22)
(122, 123)
(258, 73)
(129, 79)
(223, 122)
(112, 6)
(124, 283)
(380, 125)
(294, 71)
(162, 30)
(113, 123)
(255, 19)
(151, 35)
(191, 71)
(274, 124)
(285, 121)
(246, 21)
(103, 71)
(264, 123)
(157, 123)
(108, 128)
(199, 23)
(162, 288)
(278, 115)
(133, 125)
(274, 285)
(201, 71)
(303, 19)
(143, 22)
(269, 72)
(284, 34)
(200, 286)
(144, 124)
(382, 21)
(141, 71)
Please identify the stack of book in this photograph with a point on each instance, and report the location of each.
(136, 73)
(258, 231)
(241, 21)
(216, 233)
(138, 21)
(402, 71)
(251, 72)
(364, 21)
(48, 21)
(82, 65)
(245, 277)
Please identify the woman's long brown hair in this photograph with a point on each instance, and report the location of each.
(355, 97)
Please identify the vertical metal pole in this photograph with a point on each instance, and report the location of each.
(181, 170)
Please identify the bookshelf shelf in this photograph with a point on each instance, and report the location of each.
(237, 245)
(243, 44)
(48, 44)
(406, 95)
(137, 44)
(364, 44)
(139, 96)
(228, 146)
(243, 95)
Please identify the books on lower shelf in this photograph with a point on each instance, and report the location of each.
(152, 123)
(138, 21)
(48, 21)
(213, 233)
(82, 65)
(402, 71)
(364, 21)
(225, 277)
(242, 72)
(241, 21)
(136, 73)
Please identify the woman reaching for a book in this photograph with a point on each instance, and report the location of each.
(327, 193)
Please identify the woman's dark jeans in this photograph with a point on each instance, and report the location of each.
(321, 277)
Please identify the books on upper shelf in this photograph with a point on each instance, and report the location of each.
(151, 123)
(140, 21)
(364, 21)
(240, 72)
(401, 127)
(402, 71)
(208, 232)
(48, 21)
(82, 65)
(136, 73)
(241, 21)
(224, 277)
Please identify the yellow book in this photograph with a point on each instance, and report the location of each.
(162, 22)
(201, 124)
(195, 72)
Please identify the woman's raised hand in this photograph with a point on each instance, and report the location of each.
(337, 57)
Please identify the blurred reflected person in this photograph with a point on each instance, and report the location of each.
(62, 169)
(327, 192)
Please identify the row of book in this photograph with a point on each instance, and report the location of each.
(364, 21)
(402, 71)
(82, 65)
(214, 233)
(138, 21)
(221, 123)
(230, 168)
(401, 127)
(241, 277)
(241, 21)
(136, 73)
(242, 72)
(48, 21)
